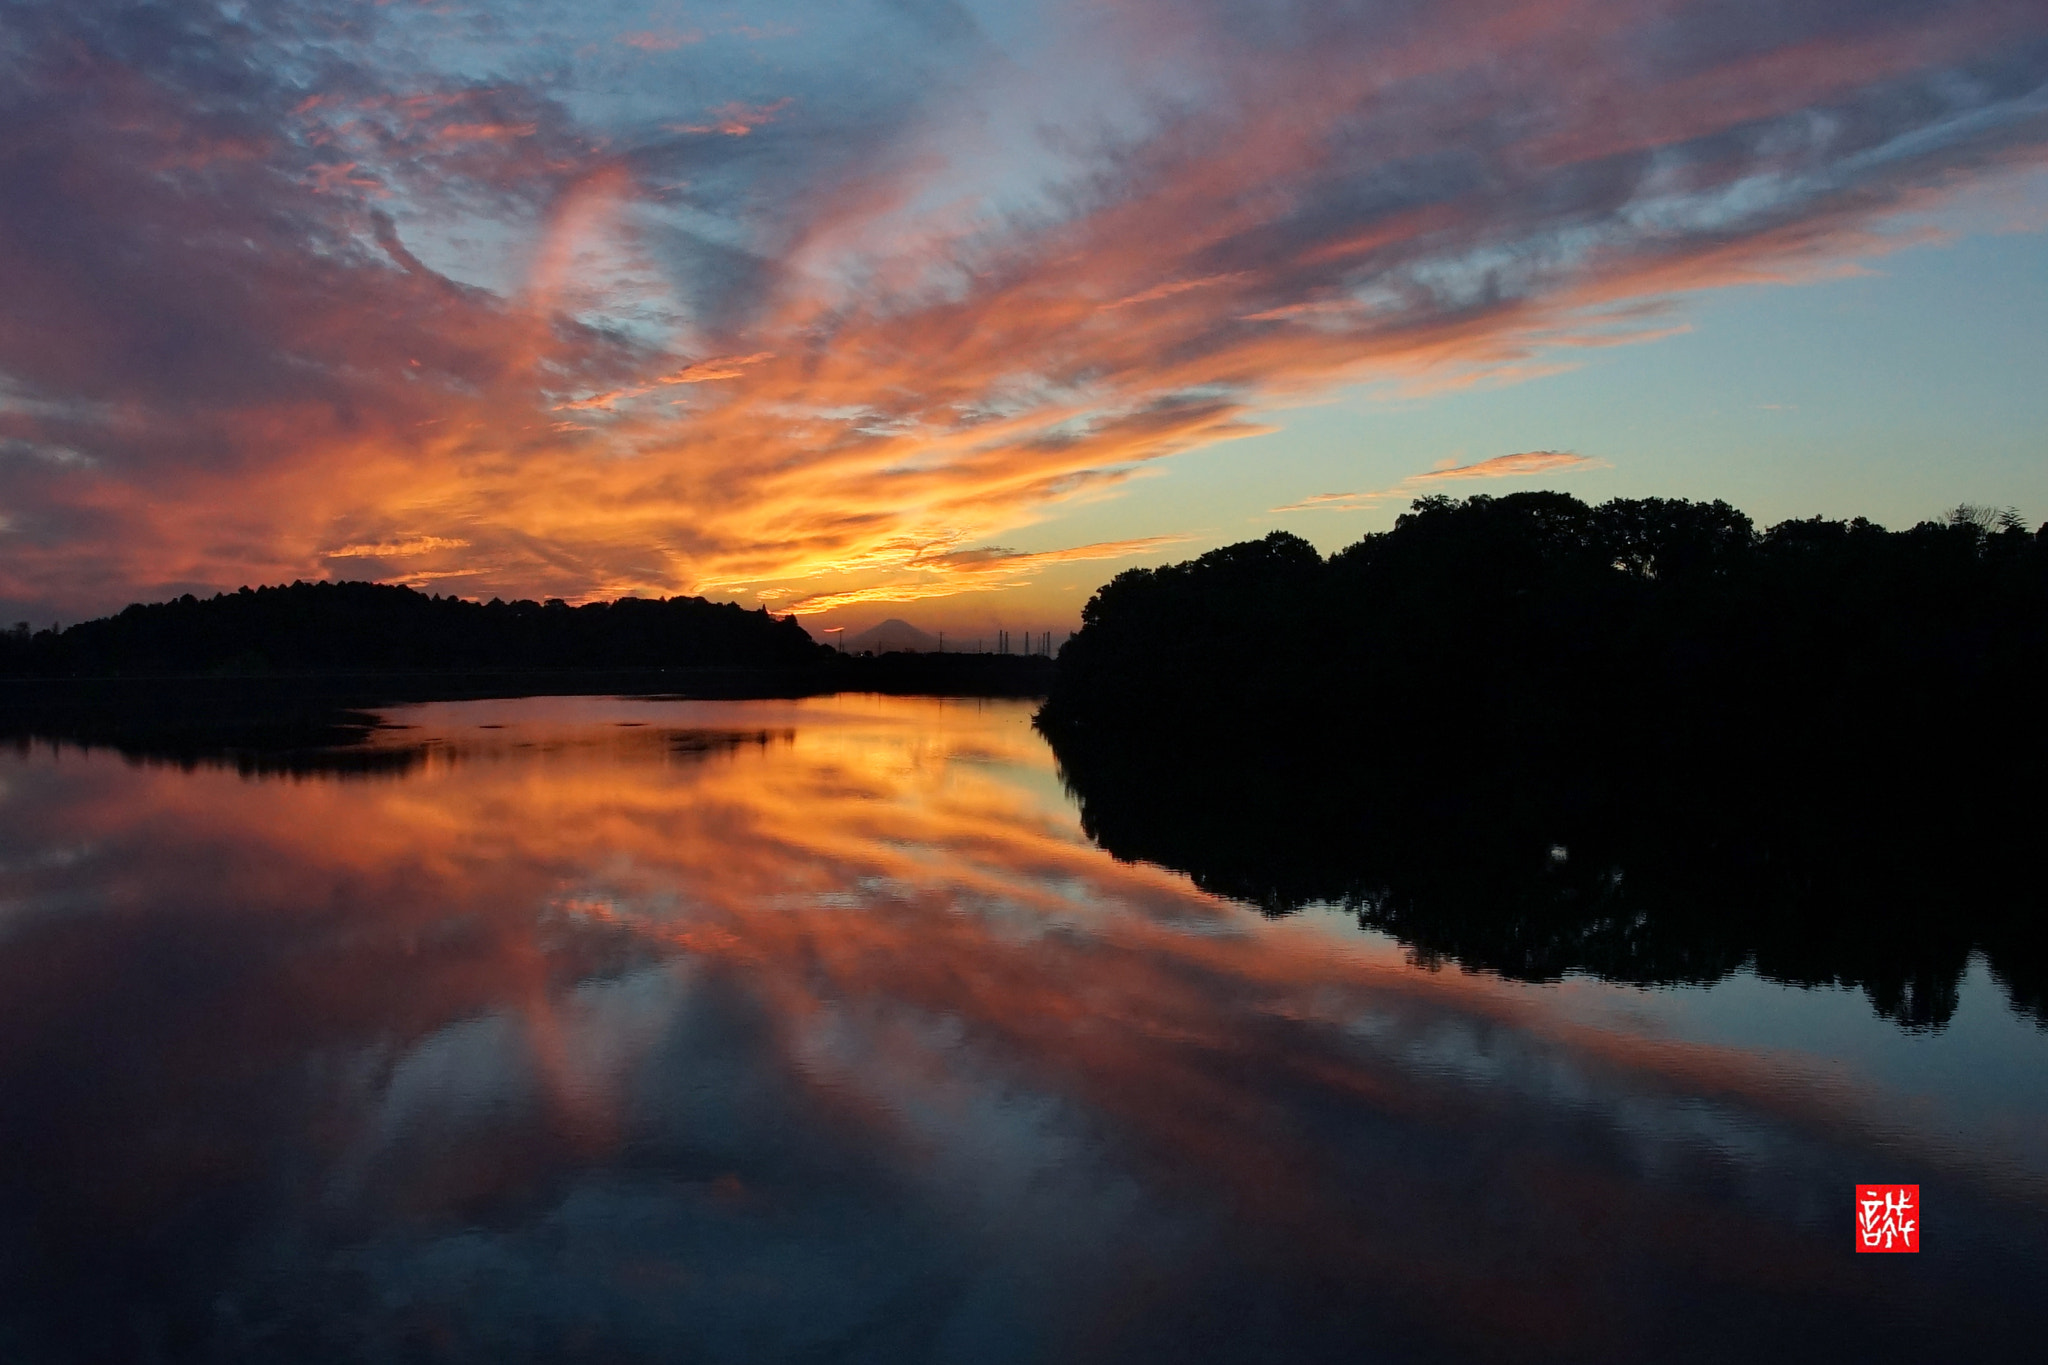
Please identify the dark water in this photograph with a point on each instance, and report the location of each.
(586, 1029)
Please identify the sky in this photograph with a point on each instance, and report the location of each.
(951, 310)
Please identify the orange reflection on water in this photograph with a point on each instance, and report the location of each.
(475, 971)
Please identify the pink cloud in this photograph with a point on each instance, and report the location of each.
(889, 339)
(662, 41)
(735, 119)
(1168, 290)
(1523, 464)
(1513, 466)
(485, 132)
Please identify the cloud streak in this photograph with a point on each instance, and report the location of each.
(951, 572)
(300, 279)
(1523, 464)
(1512, 466)
(399, 549)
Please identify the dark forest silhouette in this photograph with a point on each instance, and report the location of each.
(329, 627)
(284, 678)
(1641, 739)
(286, 640)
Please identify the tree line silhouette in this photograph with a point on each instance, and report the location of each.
(326, 627)
(1642, 739)
(286, 678)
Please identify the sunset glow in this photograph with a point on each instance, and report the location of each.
(832, 307)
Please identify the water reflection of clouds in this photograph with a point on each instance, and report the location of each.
(851, 1040)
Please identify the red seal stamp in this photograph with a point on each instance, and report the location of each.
(1887, 1217)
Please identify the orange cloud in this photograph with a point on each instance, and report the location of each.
(1168, 290)
(719, 367)
(1513, 466)
(701, 372)
(415, 545)
(1521, 465)
(982, 570)
(872, 342)
(398, 549)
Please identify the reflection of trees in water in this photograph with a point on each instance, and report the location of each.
(1519, 883)
(355, 745)
(1749, 747)
(254, 742)
(308, 725)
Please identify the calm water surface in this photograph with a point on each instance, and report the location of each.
(633, 1030)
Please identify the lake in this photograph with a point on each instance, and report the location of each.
(617, 1029)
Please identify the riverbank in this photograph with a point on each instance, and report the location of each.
(191, 716)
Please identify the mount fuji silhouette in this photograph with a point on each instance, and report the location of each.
(893, 637)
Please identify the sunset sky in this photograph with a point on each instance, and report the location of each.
(949, 310)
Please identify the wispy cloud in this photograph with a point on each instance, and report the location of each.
(948, 573)
(997, 558)
(700, 372)
(1169, 289)
(301, 274)
(662, 40)
(1512, 466)
(735, 119)
(719, 367)
(396, 549)
(1523, 464)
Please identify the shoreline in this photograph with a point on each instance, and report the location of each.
(230, 717)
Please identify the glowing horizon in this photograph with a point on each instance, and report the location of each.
(889, 309)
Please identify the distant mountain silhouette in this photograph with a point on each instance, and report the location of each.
(1643, 739)
(893, 637)
(326, 627)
